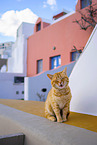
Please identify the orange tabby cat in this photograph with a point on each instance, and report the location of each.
(58, 99)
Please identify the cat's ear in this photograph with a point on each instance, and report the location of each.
(65, 71)
(50, 76)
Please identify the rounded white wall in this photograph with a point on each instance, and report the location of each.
(83, 79)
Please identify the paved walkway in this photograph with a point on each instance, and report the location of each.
(88, 122)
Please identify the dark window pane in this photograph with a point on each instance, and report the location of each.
(38, 26)
(18, 79)
(55, 61)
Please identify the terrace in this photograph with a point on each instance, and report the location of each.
(27, 117)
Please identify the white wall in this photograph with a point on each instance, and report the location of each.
(18, 62)
(34, 85)
(27, 29)
(8, 88)
(83, 79)
(15, 63)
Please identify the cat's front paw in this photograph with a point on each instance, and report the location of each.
(59, 120)
(64, 119)
(52, 118)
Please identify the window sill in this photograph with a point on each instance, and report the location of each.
(18, 83)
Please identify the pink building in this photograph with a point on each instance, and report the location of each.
(51, 45)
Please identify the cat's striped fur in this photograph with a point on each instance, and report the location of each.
(58, 99)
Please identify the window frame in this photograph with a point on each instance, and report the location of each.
(83, 5)
(39, 62)
(57, 63)
(38, 26)
(79, 53)
(17, 81)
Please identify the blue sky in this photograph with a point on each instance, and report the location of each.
(14, 12)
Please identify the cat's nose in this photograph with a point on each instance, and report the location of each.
(61, 84)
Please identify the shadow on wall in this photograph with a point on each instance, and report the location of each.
(37, 88)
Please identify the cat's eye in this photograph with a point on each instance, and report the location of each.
(62, 79)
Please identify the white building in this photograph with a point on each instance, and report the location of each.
(11, 86)
(6, 49)
(12, 82)
(17, 63)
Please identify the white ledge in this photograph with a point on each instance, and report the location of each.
(39, 130)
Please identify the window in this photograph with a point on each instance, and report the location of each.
(22, 92)
(18, 79)
(39, 66)
(85, 3)
(74, 55)
(17, 92)
(55, 61)
(38, 28)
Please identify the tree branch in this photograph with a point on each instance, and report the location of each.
(87, 19)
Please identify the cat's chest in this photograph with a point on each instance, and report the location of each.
(61, 101)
